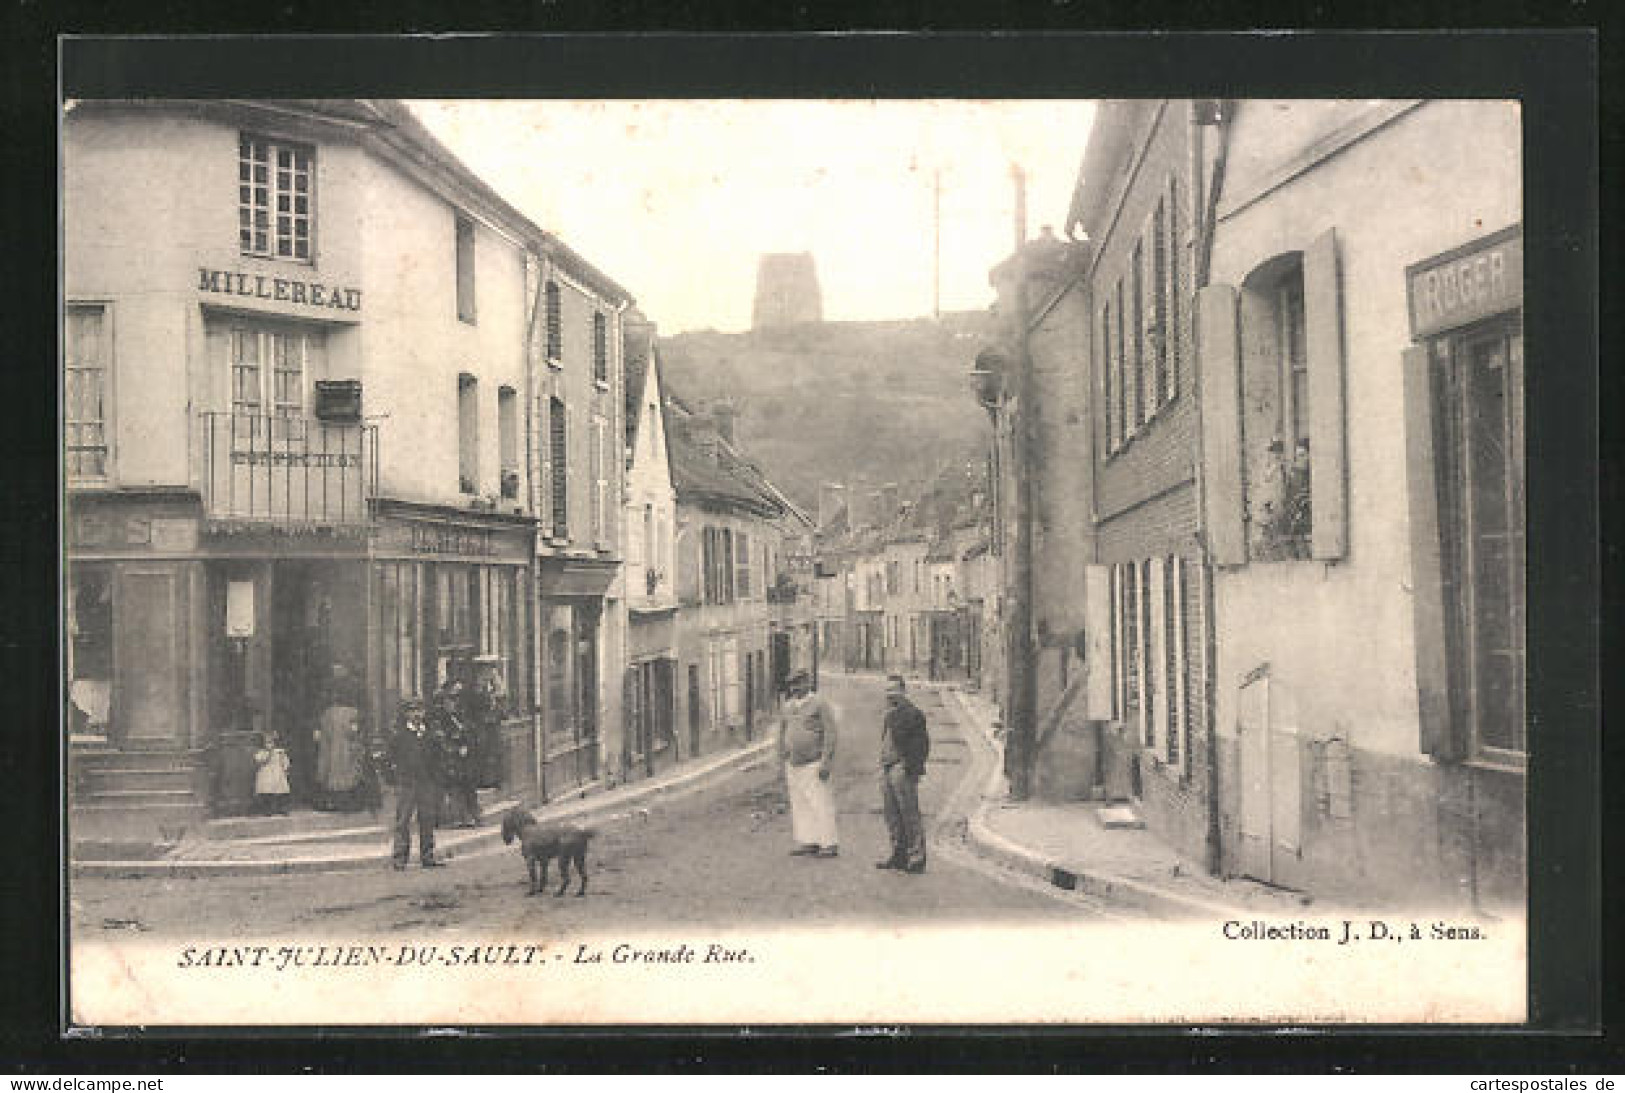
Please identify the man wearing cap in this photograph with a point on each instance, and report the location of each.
(904, 746)
(807, 733)
(413, 764)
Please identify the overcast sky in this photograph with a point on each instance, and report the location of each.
(676, 199)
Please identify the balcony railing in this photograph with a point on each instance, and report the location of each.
(288, 471)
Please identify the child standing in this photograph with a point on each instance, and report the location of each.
(271, 776)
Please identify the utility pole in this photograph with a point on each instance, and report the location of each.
(1018, 759)
(936, 243)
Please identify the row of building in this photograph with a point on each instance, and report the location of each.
(1276, 462)
(334, 409)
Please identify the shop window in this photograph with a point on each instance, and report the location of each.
(468, 433)
(465, 269)
(600, 347)
(90, 650)
(559, 482)
(555, 324)
(508, 440)
(275, 214)
(85, 390)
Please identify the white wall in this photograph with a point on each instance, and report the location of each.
(1339, 635)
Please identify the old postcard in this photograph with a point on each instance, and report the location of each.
(723, 561)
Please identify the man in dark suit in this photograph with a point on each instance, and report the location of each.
(904, 746)
(413, 763)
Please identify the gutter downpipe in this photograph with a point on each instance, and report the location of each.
(1204, 206)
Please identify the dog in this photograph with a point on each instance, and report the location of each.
(541, 843)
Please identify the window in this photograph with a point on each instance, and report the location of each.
(603, 470)
(1171, 328)
(555, 324)
(742, 564)
(1157, 331)
(267, 369)
(468, 433)
(1108, 392)
(600, 347)
(560, 479)
(1123, 375)
(90, 649)
(1279, 512)
(508, 440)
(274, 212)
(730, 668)
(465, 269)
(85, 356)
(718, 554)
(1140, 411)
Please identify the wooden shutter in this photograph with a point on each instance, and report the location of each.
(1219, 348)
(1156, 654)
(1323, 337)
(1173, 332)
(1427, 576)
(1097, 598)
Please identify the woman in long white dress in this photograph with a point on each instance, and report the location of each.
(807, 734)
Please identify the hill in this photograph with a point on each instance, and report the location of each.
(832, 402)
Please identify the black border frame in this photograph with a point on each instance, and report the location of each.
(1554, 72)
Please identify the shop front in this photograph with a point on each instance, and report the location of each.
(449, 604)
(651, 693)
(571, 593)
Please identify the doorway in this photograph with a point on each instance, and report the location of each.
(1478, 376)
(316, 630)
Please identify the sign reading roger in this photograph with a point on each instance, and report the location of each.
(1466, 285)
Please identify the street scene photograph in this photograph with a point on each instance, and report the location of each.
(569, 562)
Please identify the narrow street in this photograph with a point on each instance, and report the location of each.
(715, 856)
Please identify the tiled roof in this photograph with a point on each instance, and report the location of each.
(706, 469)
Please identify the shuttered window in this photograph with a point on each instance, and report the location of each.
(465, 269)
(555, 323)
(558, 437)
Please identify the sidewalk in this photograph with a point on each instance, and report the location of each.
(320, 848)
(1068, 846)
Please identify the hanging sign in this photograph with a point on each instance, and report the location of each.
(240, 609)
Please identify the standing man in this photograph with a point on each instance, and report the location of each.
(807, 734)
(904, 746)
(457, 774)
(414, 767)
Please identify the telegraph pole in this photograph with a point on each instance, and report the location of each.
(1019, 745)
(936, 243)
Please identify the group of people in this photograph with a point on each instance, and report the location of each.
(807, 739)
(437, 755)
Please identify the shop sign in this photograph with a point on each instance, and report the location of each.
(179, 535)
(1463, 286)
(258, 286)
(98, 529)
(434, 539)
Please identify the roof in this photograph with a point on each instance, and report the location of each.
(707, 470)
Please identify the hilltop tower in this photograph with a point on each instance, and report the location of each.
(786, 291)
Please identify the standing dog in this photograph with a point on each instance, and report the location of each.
(542, 843)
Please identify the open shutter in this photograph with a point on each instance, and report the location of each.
(1323, 336)
(1099, 589)
(1427, 574)
(1217, 342)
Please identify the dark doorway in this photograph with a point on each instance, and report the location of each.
(695, 713)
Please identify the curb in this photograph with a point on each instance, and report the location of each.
(466, 845)
(981, 837)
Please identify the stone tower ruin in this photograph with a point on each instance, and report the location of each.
(786, 291)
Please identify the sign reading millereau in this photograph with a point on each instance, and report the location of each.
(283, 289)
(1475, 282)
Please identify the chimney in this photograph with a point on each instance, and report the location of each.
(889, 500)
